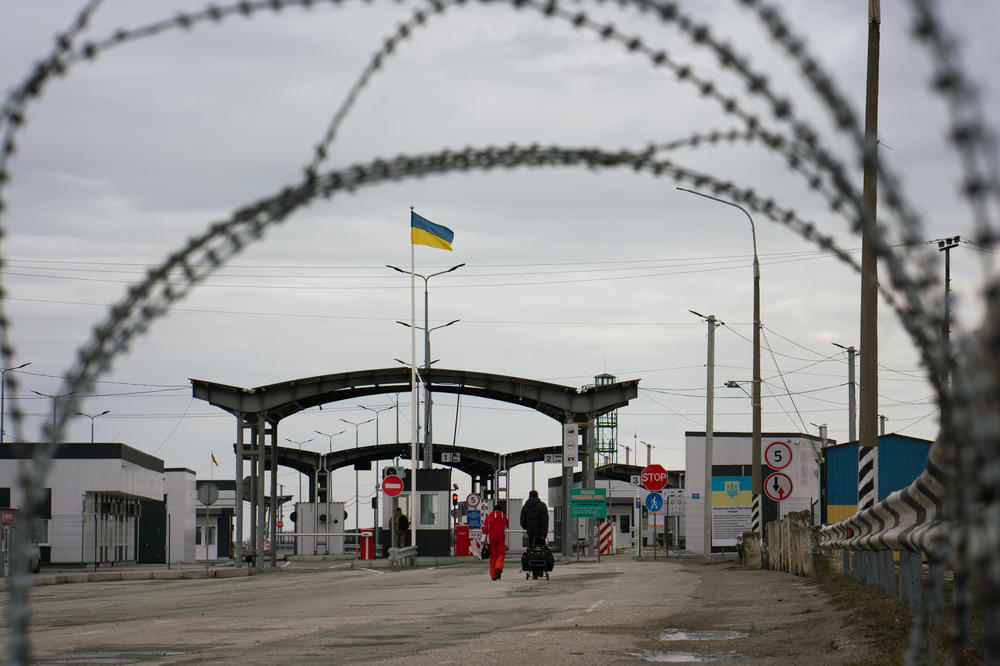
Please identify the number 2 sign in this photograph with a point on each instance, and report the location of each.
(778, 455)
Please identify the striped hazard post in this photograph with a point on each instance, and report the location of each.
(755, 515)
(605, 538)
(867, 471)
(864, 561)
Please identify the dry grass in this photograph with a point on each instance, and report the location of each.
(885, 622)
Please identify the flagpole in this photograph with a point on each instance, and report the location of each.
(413, 393)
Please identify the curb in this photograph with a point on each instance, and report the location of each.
(117, 576)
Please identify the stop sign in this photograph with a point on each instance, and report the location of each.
(654, 477)
(392, 485)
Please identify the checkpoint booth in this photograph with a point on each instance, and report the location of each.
(324, 522)
(431, 513)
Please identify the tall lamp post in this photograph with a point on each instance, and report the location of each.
(378, 443)
(54, 398)
(755, 398)
(428, 431)
(3, 387)
(357, 425)
(92, 417)
(304, 441)
(329, 482)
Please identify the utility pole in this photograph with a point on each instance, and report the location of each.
(946, 245)
(868, 426)
(709, 426)
(852, 404)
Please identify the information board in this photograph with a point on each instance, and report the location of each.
(588, 503)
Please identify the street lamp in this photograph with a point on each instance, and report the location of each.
(377, 444)
(3, 386)
(92, 417)
(329, 484)
(54, 398)
(304, 441)
(356, 425)
(428, 432)
(755, 398)
(377, 412)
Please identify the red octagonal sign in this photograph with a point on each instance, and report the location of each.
(392, 485)
(654, 477)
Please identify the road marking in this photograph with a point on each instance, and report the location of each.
(594, 607)
(374, 571)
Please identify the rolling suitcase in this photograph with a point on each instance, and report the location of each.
(537, 561)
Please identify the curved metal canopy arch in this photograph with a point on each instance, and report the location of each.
(472, 461)
(274, 402)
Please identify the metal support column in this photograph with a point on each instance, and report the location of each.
(589, 480)
(274, 495)
(252, 490)
(259, 481)
(238, 497)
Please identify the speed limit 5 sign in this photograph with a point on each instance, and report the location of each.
(778, 455)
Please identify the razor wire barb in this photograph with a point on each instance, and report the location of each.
(805, 137)
(181, 272)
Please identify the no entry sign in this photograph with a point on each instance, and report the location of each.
(392, 485)
(654, 477)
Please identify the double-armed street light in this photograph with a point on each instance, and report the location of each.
(377, 411)
(92, 417)
(54, 398)
(356, 424)
(3, 387)
(428, 431)
(304, 441)
(329, 482)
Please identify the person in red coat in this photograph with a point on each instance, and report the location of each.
(495, 533)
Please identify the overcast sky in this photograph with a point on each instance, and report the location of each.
(569, 273)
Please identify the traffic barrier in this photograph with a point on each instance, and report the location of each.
(605, 538)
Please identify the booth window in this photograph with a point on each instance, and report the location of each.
(428, 509)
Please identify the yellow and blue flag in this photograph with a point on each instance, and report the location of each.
(214, 461)
(732, 490)
(425, 232)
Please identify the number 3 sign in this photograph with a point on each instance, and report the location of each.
(778, 455)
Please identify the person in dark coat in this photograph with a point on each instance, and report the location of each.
(535, 519)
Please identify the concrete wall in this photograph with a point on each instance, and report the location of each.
(792, 544)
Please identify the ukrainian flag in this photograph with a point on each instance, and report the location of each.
(732, 490)
(425, 232)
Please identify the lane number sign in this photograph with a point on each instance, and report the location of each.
(778, 455)
(473, 500)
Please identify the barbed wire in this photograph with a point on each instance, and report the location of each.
(974, 390)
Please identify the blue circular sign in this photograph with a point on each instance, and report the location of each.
(654, 502)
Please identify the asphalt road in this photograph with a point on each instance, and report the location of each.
(615, 611)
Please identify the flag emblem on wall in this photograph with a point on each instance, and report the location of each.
(425, 232)
(214, 461)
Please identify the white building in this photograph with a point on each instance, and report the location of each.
(789, 470)
(107, 502)
(103, 502)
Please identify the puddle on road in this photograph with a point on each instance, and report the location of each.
(703, 635)
(680, 657)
